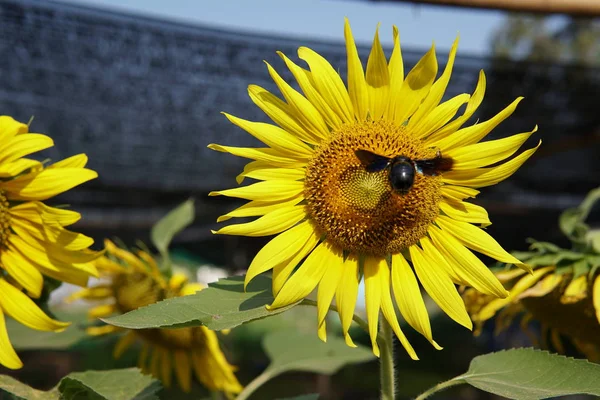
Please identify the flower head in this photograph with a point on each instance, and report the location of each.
(370, 179)
(34, 240)
(136, 281)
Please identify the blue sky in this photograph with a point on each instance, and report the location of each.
(314, 19)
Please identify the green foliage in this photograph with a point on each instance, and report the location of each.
(167, 227)
(223, 305)
(118, 384)
(290, 350)
(24, 338)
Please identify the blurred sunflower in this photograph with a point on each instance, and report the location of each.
(136, 281)
(33, 238)
(338, 198)
(562, 294)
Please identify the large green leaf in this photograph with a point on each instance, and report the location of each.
(223, 305)
(529, 374)
(290, 350)
(167, 227)
(119, 384)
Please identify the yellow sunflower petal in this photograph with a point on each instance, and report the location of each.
(438, 117)
(373, 298)
(47, 183)
(387, 308)
(575, 291)
(101, 311)
(264, 171)
(9, 128)
(477, 239)
(306, 278)
(487, 153)
(396, 72)
(465, 212)
(284, 269)
(452, 269)
(596, 297)
(280, 112)
(488, 176)
(258, 207)
(268, 155)
(468, 266)
(327, 288)
(438, 285)
(329, 84)
(23, 272)
(124, 343)
(273, 137)
(378, 79)
(20, 307)
(8, 356)
(76, 161)
(543, 287)
(409, 299)
(414, 88)
(280, 249)
(165, 368)
(183, 370)
(22, 145)
(267, 190)
(269, 224)
(357, 86)
(346, 295)
(458, 192)
(17, 167)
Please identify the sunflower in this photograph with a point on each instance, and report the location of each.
(135, 280)
(33, 239)
(341, 212)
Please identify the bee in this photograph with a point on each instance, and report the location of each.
(401, 169)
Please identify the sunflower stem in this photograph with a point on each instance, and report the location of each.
(254, 384)
(386, 362)
(438, 387)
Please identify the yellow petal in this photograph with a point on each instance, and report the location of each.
(124, 343)
(280, 249)
(9, 128)
(475, 133)
(476, 239)
(76, 161)
(467, 265)
(8, 356)
(327, 288)
(306, 278)
(437, 90)
(387, 308)
(268, 155)
(264, 172)
(346, 295)
(488, 176)
(409, 299)
(183, 370)
(396, 72)
(177, 281)
(284, 269)
(596, 297)
(258, 207)
(329, 84)
(22, 145)
(20, 307)
(378, 79)
(274, 137)
(101, 311)
(8, 170)
(47, 183)
(22, 271)
(307, 114)
(372, 298)
(165, 368)
(269, 224)
(438, 116)
(543, 287)
(271, 190)
(575, 291)
(465, 212)
(191, 288)
(487, 153)
(357, 86)
(435, 256)
(414, 88)
(438, 285)
(458, 192)
(280, 112)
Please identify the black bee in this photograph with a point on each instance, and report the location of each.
(402, 169)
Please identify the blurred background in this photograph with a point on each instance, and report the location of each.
(139, 86)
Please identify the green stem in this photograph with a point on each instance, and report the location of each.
(438, 387)
(253, 385)
(386, 363)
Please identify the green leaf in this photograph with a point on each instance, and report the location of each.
(168, 226)
(544, 247)
(118, 384)
(290, 350)
(529, 374)
(572, 220)
(223, 305)
(24, 338)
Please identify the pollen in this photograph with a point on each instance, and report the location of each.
(4, 220)
(358, 210)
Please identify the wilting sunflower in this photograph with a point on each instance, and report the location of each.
(341, 187)
(136, 281)
(33, 238)
(562, 294)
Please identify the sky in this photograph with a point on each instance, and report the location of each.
(314, 19)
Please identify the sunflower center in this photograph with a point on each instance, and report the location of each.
(4, 220)
(359, 210)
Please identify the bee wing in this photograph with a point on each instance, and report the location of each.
(433, 166)
(372, 162)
